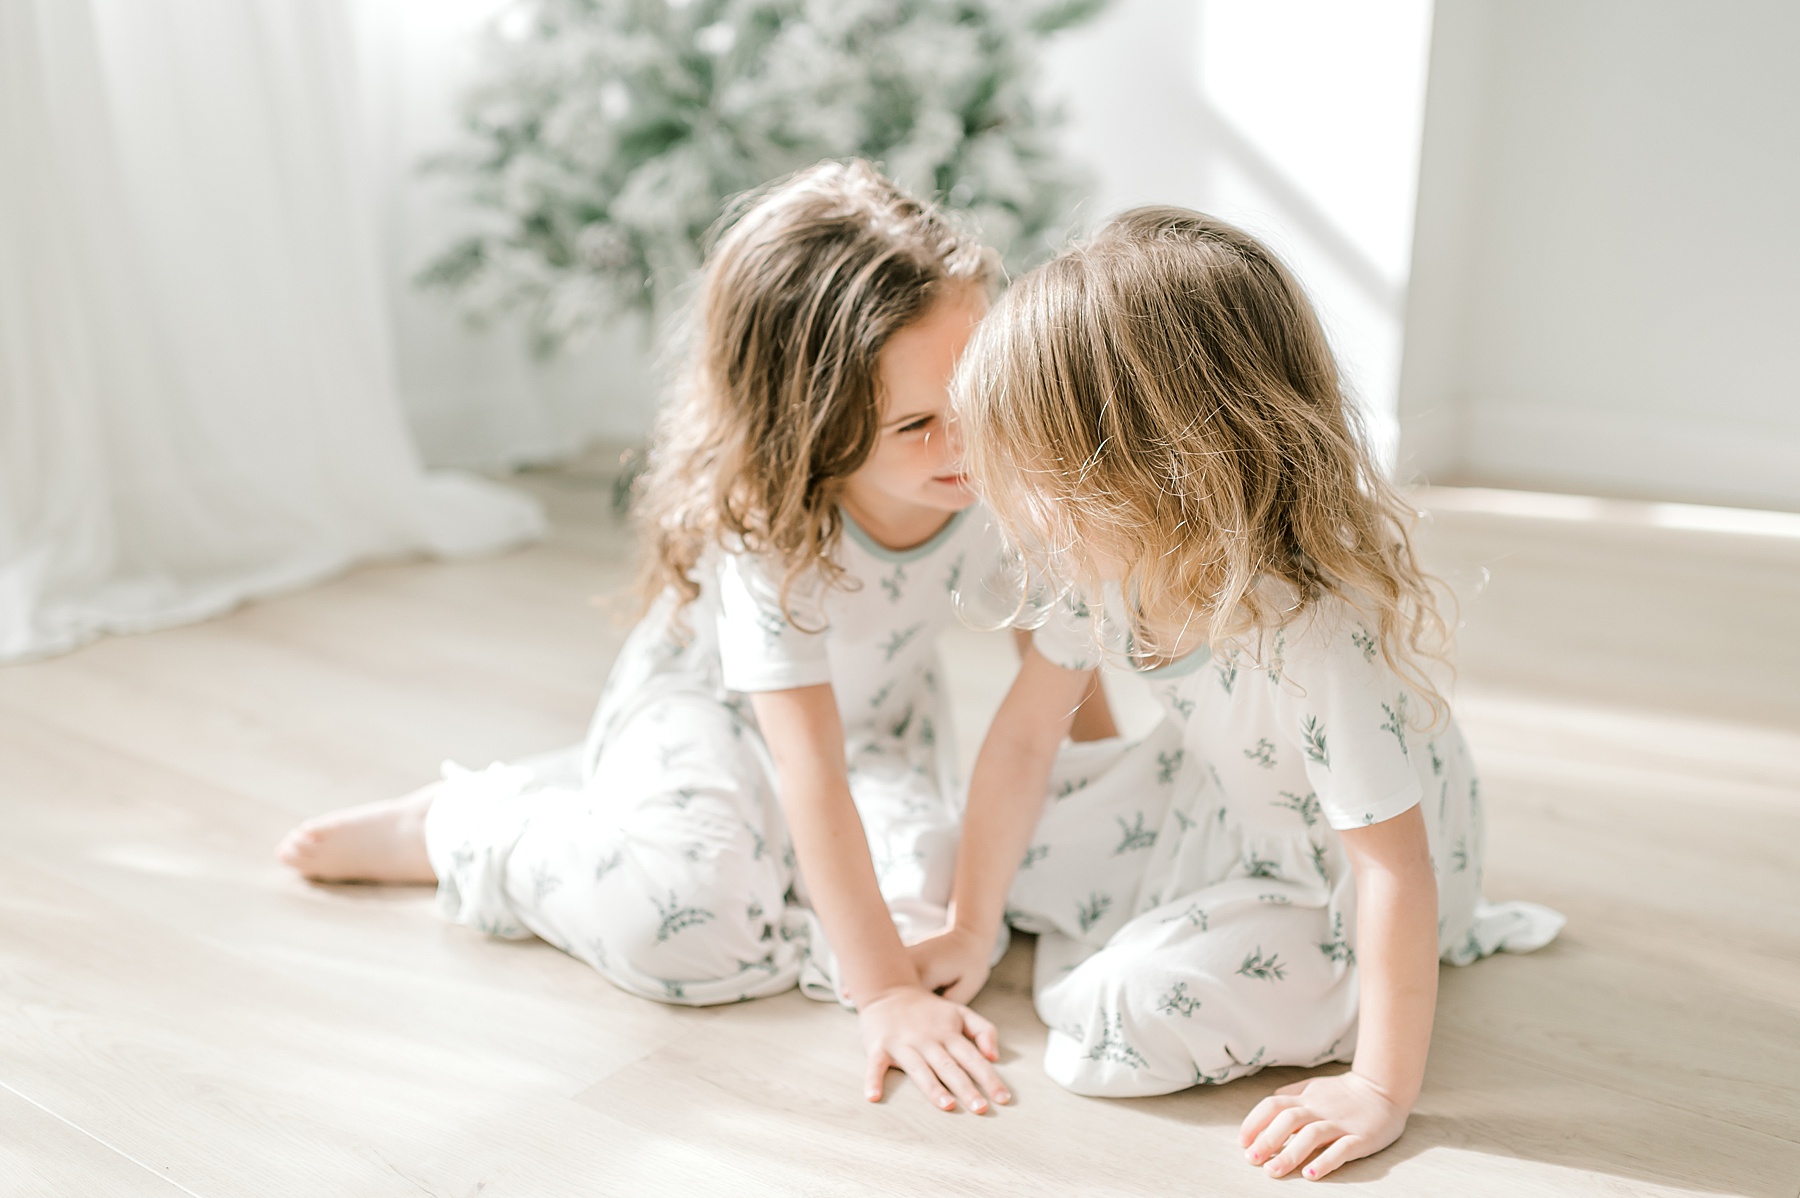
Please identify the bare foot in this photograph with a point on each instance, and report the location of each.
(376, 842)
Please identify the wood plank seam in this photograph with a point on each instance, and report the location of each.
(114, 1149)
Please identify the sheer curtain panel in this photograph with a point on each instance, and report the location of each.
(197, 396)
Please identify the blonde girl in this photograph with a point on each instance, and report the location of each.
(1272, 876)
(764, 796)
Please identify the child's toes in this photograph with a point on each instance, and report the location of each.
(297, 847)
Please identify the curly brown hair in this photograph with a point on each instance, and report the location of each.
(1163, 397)
(779, 398)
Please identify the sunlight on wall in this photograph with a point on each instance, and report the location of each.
(1317, 108)
(1298, 119)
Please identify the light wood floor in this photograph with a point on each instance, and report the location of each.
(177, 1014)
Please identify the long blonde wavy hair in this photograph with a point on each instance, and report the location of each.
(1163, 398)
(778, 401)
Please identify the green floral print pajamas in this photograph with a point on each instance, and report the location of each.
(1194, 905)
(657, 853)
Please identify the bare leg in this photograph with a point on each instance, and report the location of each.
(376, 842)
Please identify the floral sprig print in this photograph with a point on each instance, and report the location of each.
(1112, 1045)
(1277, 657)
(677, 917)
(900, 639)
(1260, 867)
(1195, 915)
(1178, 1002)
(1090, 913)
(1319, 862)
(1267, 969)
(1396, 722)
(1306, 806)
(1135, 835)
(1312, 736)
(1227, 670)
(1338, 947)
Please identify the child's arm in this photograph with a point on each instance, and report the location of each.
(937, 1042)
(1006, 795)
(1093, 715)
(1354, 1114)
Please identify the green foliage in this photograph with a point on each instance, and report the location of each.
(610, 132)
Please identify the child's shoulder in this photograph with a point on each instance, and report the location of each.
(1329, 634)
(759, 583)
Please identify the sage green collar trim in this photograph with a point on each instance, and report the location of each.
(1182, 666)
(881, 553)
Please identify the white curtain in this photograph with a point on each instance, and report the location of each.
(197, 388)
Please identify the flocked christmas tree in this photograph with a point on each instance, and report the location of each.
(611, 131)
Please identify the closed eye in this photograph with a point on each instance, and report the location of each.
(913, 426)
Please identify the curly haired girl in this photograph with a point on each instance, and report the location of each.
(765, 797)
(1271, 877)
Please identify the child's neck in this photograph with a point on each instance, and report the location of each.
(894, 525)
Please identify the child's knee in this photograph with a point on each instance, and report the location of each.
(1116, 1031)
(679, 936)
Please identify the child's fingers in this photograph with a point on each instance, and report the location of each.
(1275, 1135)
(922, 1077)
(953, 1075)
(1344, 1148)
(1260, 1116)
(1301, 1145)
(984, 1033)
(875, 1080)
(977, 1066)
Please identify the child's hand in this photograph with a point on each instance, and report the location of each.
(1346, 1116)
(943, 1046)
(953, 963)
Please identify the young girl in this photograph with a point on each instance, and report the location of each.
(763, 797)
(1273, 875)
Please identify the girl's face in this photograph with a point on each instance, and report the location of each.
(917, 462)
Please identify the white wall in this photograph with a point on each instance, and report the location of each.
(1298, 119)
(473, 397)
(1606, 292)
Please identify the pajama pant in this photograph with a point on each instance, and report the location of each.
(1151, 993)
(669, 868)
